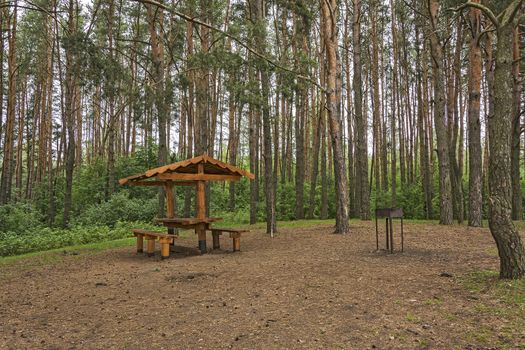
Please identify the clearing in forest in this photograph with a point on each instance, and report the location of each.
(305, 288)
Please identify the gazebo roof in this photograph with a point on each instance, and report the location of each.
(188, 170)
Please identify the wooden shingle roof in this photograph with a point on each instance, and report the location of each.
(188, 167)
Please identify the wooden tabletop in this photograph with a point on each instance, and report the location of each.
(187, 221)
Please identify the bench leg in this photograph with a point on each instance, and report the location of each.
(140, 243)
(391, 237)
(387, 237)
(201, 233)
(151, 246)
(216, 242)
(236, 244)
(164, 248)
(172, 231)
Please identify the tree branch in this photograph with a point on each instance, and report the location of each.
(233, 37)
(486, 11)
(510, 12)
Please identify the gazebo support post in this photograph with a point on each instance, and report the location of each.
(170, 210)
(201, 210)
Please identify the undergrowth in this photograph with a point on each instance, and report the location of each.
(497, 298)
(43, 238)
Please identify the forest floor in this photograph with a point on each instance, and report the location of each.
(305, 288)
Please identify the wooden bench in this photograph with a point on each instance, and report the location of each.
(234, 234)
(151, 236)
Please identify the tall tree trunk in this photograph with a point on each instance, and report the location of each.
(260, 41)
(489, 108)
(112, 117)
(453, 125)
(232, 140)
(445, 191)
(301, 95)
(156, 18)
(254, 159)
(376, 125)
(395, 95)
(20, 140)
(2, 24)
(474, 124)
(190, 109)
(515, 177)
(361, 183)
(423, 127)
(508, 240)
(324, 175)
(318, 134)
(202, 93)
(7, 166)
(329, 32)
(70, 116)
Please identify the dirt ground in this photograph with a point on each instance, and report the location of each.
(305, 288)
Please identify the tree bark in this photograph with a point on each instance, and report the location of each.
(361, 183)
(258, 11)
(474, 124)
(328, 8)
(445, 192)
(7, 164)
(453, 126)
(69, 117)
(156, 19)
(517, 211)
(424, 126)
(508, 240)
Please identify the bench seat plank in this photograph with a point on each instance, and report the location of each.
(229, 230)
(152, 233)
(235, 234)
(151, 236)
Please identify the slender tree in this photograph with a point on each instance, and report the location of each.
(258, 10)
(329, 32)
(362, 190)
(7, 162)
(445, 191)
(474, 124)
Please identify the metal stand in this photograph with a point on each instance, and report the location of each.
(389, 214)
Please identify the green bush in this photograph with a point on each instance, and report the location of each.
(120, 207)
(42, 239)
(19, 218)
(238, 216)
(412, 200)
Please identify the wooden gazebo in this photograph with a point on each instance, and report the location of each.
(191, 172)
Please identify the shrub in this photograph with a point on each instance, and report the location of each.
(19, 218)
(120, 207)
(42, 239)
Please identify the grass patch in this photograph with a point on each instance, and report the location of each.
(433, 301)
(412, 318)
(502, 299)
(511, 292)
(480, 335)
(56, 255)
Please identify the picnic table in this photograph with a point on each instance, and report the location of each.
(199, 224)
(192, 172)
(186, 223)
